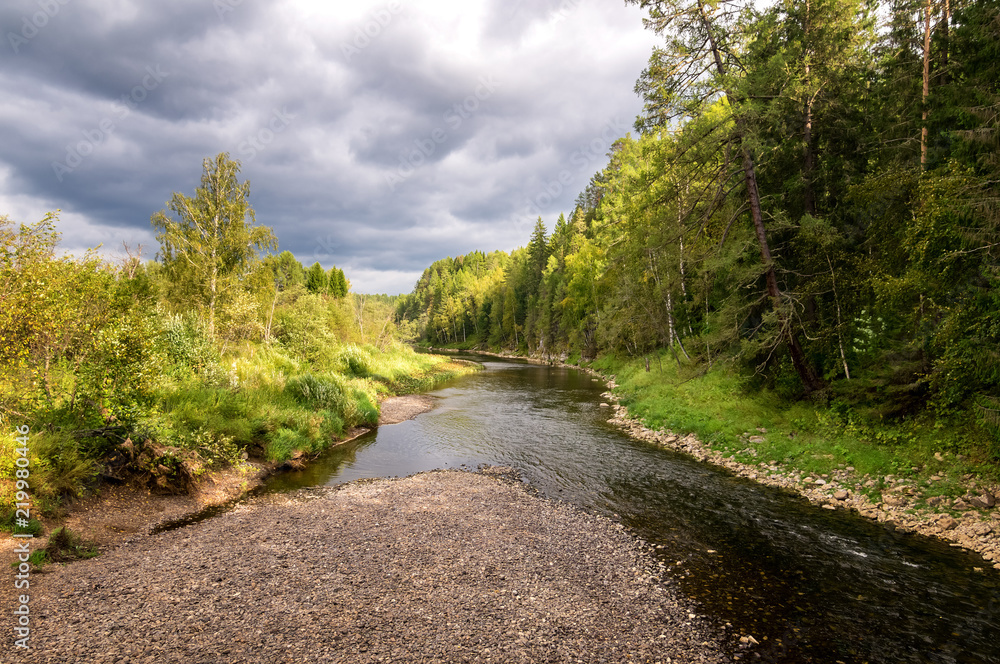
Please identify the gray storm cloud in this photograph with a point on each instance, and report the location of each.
(377, 136)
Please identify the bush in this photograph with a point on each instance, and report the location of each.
(64, 545)
(323, 392)
(186, 342)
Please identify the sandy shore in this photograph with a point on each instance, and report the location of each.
(444, 566)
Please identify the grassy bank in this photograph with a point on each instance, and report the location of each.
(756, 426)
(211, 411)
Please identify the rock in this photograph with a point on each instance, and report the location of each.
(947, 523)
(756, 439)
(604, 405)
(842, 494)
(983, 529)
(979, 502)
(959, 504)
(934, 501)
(820, 482)
(894, 501)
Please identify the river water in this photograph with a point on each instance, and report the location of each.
(809, 584)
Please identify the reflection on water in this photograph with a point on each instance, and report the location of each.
(811, 585)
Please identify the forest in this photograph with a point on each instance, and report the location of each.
(159, 371)
(808, 204)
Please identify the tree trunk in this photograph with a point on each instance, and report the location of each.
(810, 381)
(808, 166)
(213, 281)
(927, 85)
(270, 316)
(944, 26)
(840, 335)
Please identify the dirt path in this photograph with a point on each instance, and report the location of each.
(444, 566)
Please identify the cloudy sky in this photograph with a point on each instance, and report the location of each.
(376, 136)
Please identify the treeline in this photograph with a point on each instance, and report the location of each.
(160, 370)
(811, 198)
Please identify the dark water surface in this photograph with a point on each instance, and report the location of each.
(810, 584)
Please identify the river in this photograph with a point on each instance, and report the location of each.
(809, 584)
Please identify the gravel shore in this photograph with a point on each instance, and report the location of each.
(399, 409)
(445, 566)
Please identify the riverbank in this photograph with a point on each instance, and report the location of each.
(941, 497)
(445, 566)
(119, 512)
(907, 503)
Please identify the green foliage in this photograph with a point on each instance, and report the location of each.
(723, 412)
(870, 277)
(186, 344)
(161, 372)
(338, 286)
(320, 392)
(212, 244)
(317, 280)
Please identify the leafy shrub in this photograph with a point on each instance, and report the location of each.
(186, 343)
(215, 449)
(324, 392)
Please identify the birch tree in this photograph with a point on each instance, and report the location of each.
(212, 241)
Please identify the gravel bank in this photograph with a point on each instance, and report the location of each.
(399, 409)
(444, 566)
